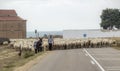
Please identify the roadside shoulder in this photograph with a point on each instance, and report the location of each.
(31, 63)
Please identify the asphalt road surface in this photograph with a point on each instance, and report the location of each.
(86, 59)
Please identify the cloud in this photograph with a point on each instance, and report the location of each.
(52, 15)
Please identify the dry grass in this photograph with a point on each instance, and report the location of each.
(9, 59)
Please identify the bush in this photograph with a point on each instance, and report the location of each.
(28, 54)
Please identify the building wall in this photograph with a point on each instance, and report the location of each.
(13, 29)
(89, 33)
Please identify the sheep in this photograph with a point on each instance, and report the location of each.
(63, 44)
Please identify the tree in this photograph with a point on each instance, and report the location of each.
(110, 18)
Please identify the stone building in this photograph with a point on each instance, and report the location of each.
(11, 25)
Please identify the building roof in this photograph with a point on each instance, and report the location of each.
(9, 15)
(11, 18)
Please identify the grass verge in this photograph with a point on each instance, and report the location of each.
(8, 64)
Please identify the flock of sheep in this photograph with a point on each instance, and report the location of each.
(61, 44)
(82, 43)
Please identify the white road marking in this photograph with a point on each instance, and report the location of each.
(102, 69)
(92, 62)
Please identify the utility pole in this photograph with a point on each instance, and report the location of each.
(36, 33)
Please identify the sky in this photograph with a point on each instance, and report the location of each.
(58, 15)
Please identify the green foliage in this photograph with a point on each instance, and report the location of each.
(28, 54)
(110, 18)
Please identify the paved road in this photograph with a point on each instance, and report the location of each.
(93, 59)
(108, 58)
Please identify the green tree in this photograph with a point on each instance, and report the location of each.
(110, 18)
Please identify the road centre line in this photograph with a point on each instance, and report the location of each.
(102, 69)
(92, 62)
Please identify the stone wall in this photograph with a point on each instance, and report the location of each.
(13, 29)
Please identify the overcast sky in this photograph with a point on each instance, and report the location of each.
(58, 15)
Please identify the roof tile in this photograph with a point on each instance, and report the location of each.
(8, 13)
(11, 18)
